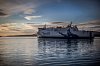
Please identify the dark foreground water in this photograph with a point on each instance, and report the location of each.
(31, 51)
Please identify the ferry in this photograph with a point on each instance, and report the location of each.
(71, 31)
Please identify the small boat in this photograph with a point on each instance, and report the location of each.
(71, 31)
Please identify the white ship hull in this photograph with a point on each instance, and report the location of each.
(63, 33)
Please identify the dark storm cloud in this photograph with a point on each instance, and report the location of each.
(16, 6)
(2, 14)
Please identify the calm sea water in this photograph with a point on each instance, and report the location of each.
(32, 51)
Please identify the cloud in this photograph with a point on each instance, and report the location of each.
(32, 17)
(29, 11)
(16, 29)
(2, 14)
(11, 7)
(93, 25)
(93, 22)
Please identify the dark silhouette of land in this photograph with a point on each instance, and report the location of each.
(34, 35)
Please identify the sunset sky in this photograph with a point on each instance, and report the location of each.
(15, 14)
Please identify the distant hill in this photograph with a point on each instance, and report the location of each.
(22, 35)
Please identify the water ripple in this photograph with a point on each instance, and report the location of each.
(30, 51)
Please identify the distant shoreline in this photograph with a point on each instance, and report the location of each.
(34, 35)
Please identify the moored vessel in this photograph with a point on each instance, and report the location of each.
(71, 31)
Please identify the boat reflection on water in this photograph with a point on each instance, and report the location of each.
(58, 52)
(64, 46)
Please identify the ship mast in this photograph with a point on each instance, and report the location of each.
(70, 24)
(44, 26)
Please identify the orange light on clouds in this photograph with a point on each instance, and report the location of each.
(16, 29)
